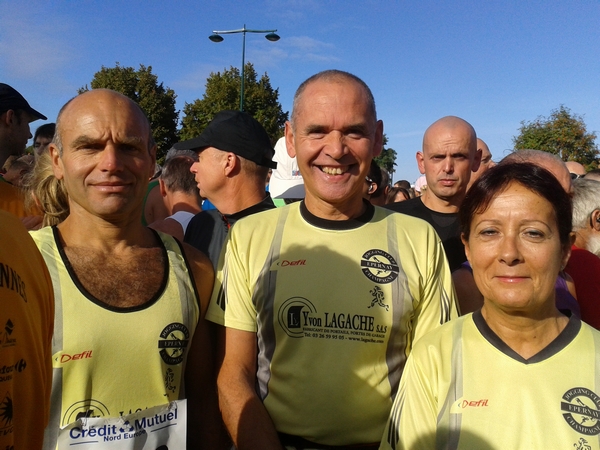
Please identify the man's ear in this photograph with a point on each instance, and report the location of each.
(231, 164)
(7, 117)
(421, 162)
(162, 187)
(57, 165)
(477, 160)
(152, 152)
(289, 139)
(596, 219)
(378, 141)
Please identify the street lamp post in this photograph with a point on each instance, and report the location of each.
(270, 36)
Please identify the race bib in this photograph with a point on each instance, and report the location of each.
(159, 428)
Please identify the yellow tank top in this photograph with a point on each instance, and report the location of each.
(110, 362)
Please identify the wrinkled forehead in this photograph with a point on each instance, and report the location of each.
(448, 141)
(345, 94)
(104, 115)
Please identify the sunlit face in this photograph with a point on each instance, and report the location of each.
(515, 251)
(334, 138)
(106, 161)
(209, 173)
(447, 161)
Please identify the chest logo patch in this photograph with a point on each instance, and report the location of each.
(290, 315)
(379, 266)
(378, 298)
(173, 341)
(85, 408)
(581, 410)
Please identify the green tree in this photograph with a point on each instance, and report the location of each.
(563, 134)
(261, 101)
(156, 101)
(387, 158)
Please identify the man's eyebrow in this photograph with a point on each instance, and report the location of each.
(315, 129)
(357, 128)
(132, 141)
(354, 128)
(84, 140)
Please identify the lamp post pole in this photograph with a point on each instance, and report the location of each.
(270, 36)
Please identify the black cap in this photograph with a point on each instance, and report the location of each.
(236, 132)
(11, 99)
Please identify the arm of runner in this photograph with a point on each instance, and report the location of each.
(412, 422)
(245, 416)
(204, 419)
(437, 303)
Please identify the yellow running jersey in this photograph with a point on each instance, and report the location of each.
(114, 361)
(26, 318)
(464, 388)
(336, 306)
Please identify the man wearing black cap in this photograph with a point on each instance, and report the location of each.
(15, 116)
(234, 158)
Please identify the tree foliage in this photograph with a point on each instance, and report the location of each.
(563, 134)
(156, 101)
(261, 101)
(387, 158)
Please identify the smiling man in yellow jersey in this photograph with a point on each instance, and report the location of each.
(322, 300)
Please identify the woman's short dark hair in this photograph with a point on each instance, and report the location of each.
(535, 178)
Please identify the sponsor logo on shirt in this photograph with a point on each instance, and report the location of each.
(173, 341)
(581, 410)
(85, 408)
(463, 404)
(170, 380)
(379, 266)
(129, 428)
(378, 298)
(6, 339)
(6, 415)
(299, 318)
(7, 371)
(287, 263)
(65, 357)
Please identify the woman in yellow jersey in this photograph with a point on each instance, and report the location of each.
(517, 373)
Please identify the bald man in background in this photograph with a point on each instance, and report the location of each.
(486, 162)
(575, 169)
(448, 158)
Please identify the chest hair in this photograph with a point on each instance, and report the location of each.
(120, 281)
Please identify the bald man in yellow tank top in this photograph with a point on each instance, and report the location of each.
(130, 302)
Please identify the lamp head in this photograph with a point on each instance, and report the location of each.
(217, 38)
(272, 37)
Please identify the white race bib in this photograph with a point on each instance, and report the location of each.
(159, 428)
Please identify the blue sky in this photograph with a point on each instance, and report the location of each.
(493, 63)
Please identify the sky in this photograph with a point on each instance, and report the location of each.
(492, 63)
